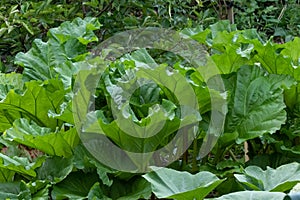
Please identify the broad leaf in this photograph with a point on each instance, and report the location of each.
(9, 82)
(270, 58)
(81, 29)
(291, 53)
(14, 190)
(253, 195)
(280, 179)
(53, 143)
(141, 58)
(96, 193)
(55, 169)
(258, 105)
(20, 165)
(231, 58)
(131, 190)
(136, 135)
(6, 175)
(221, 26)
(169, 183)
(33, 104)
(67, 44)
(76, 186)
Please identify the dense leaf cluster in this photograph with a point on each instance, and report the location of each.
(42, 155)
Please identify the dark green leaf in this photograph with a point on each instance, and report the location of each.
(55, 169)
(77, 185)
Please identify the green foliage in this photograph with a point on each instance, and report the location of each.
(275, 180)
(41, 152)
(168, 183)
(21, 22)
(59, 143)
(54, 58)
(257, 103)
(253, 195)
(277, 18)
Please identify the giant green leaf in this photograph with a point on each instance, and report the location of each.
(33, 104)
(81, 29)
(169, 183)
(20, 165)
(258, 105)
(291, 53)
(273, 61)
(53, 143)
(97, 142)
(280, 179)
(230, 55)
(220, 26)
(66, 44)
(253, 195)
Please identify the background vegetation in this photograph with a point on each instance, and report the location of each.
(23, 21)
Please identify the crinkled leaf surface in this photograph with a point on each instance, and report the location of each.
(169, 183)
(20, 165)
(33, 104)
(280, 179)
(43, 58)
(133, 134)
(141, 58)
(66, 44)
(229, 60)
(291, 49)
(81, 29)
(271, 58)
(258, 105)
(59, 143)
(220, 26)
